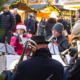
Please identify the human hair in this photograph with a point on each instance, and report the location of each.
(78, 11)
(52, 20)
(6, 6)
(30, 16)
(42, 19)
(16, 9)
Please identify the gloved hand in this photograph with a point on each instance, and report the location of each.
(17, 39)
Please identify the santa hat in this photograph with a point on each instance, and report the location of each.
(21, 26)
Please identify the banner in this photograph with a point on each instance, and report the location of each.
(71, 1)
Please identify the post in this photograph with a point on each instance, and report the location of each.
(71, 19)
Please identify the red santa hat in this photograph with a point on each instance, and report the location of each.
(21, 26)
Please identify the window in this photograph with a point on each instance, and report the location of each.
(32, 0)
(44, 0)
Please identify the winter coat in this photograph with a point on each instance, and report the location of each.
(40, 67)
(41, 29)
(17, 46)
(62, 43)
(18, 18)
(48, 27)
(26, 21)
(73, 71)
(7, 21)
(36, 25)
(69, 27)
(31, 25)
(76, 28)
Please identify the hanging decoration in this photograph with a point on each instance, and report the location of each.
(21, 1)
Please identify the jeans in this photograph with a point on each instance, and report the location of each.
(9, 74)
(8, 35)
(64, 74)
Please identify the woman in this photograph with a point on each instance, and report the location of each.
(17, 41)
(49, 25)
(42, 26)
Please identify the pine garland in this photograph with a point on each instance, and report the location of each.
(1, 4)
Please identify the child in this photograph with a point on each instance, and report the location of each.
(15, 40)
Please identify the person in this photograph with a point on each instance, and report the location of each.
(73, 70)
(26, 21)
(16, 39)
(17, 16)
(7, 24)
(42, 26)
(76, 29)
(31, 25)
(61, 40)
(65, 31)
(49, 25)
(69, 27)
(36, 24)
(40, 66)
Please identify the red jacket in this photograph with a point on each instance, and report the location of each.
(18, 47)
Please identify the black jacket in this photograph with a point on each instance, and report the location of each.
(73, 71)
(49, 25)
(62, 43)
(31, 25)
(39, 67)
(26, 21)
(7, 21)
(18, 18)
(48, 29)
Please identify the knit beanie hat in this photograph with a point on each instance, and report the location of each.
(58, 27)
(21, 26)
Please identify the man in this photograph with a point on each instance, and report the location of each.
(40, 66)
(17, 16)
(26, 21)
(31, 25)
(61, 40)
(7, 24)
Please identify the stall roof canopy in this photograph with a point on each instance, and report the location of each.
(35, 7)
(18, 3)
(11, 1)
(38, 6)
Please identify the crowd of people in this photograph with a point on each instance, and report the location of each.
(40, 66)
